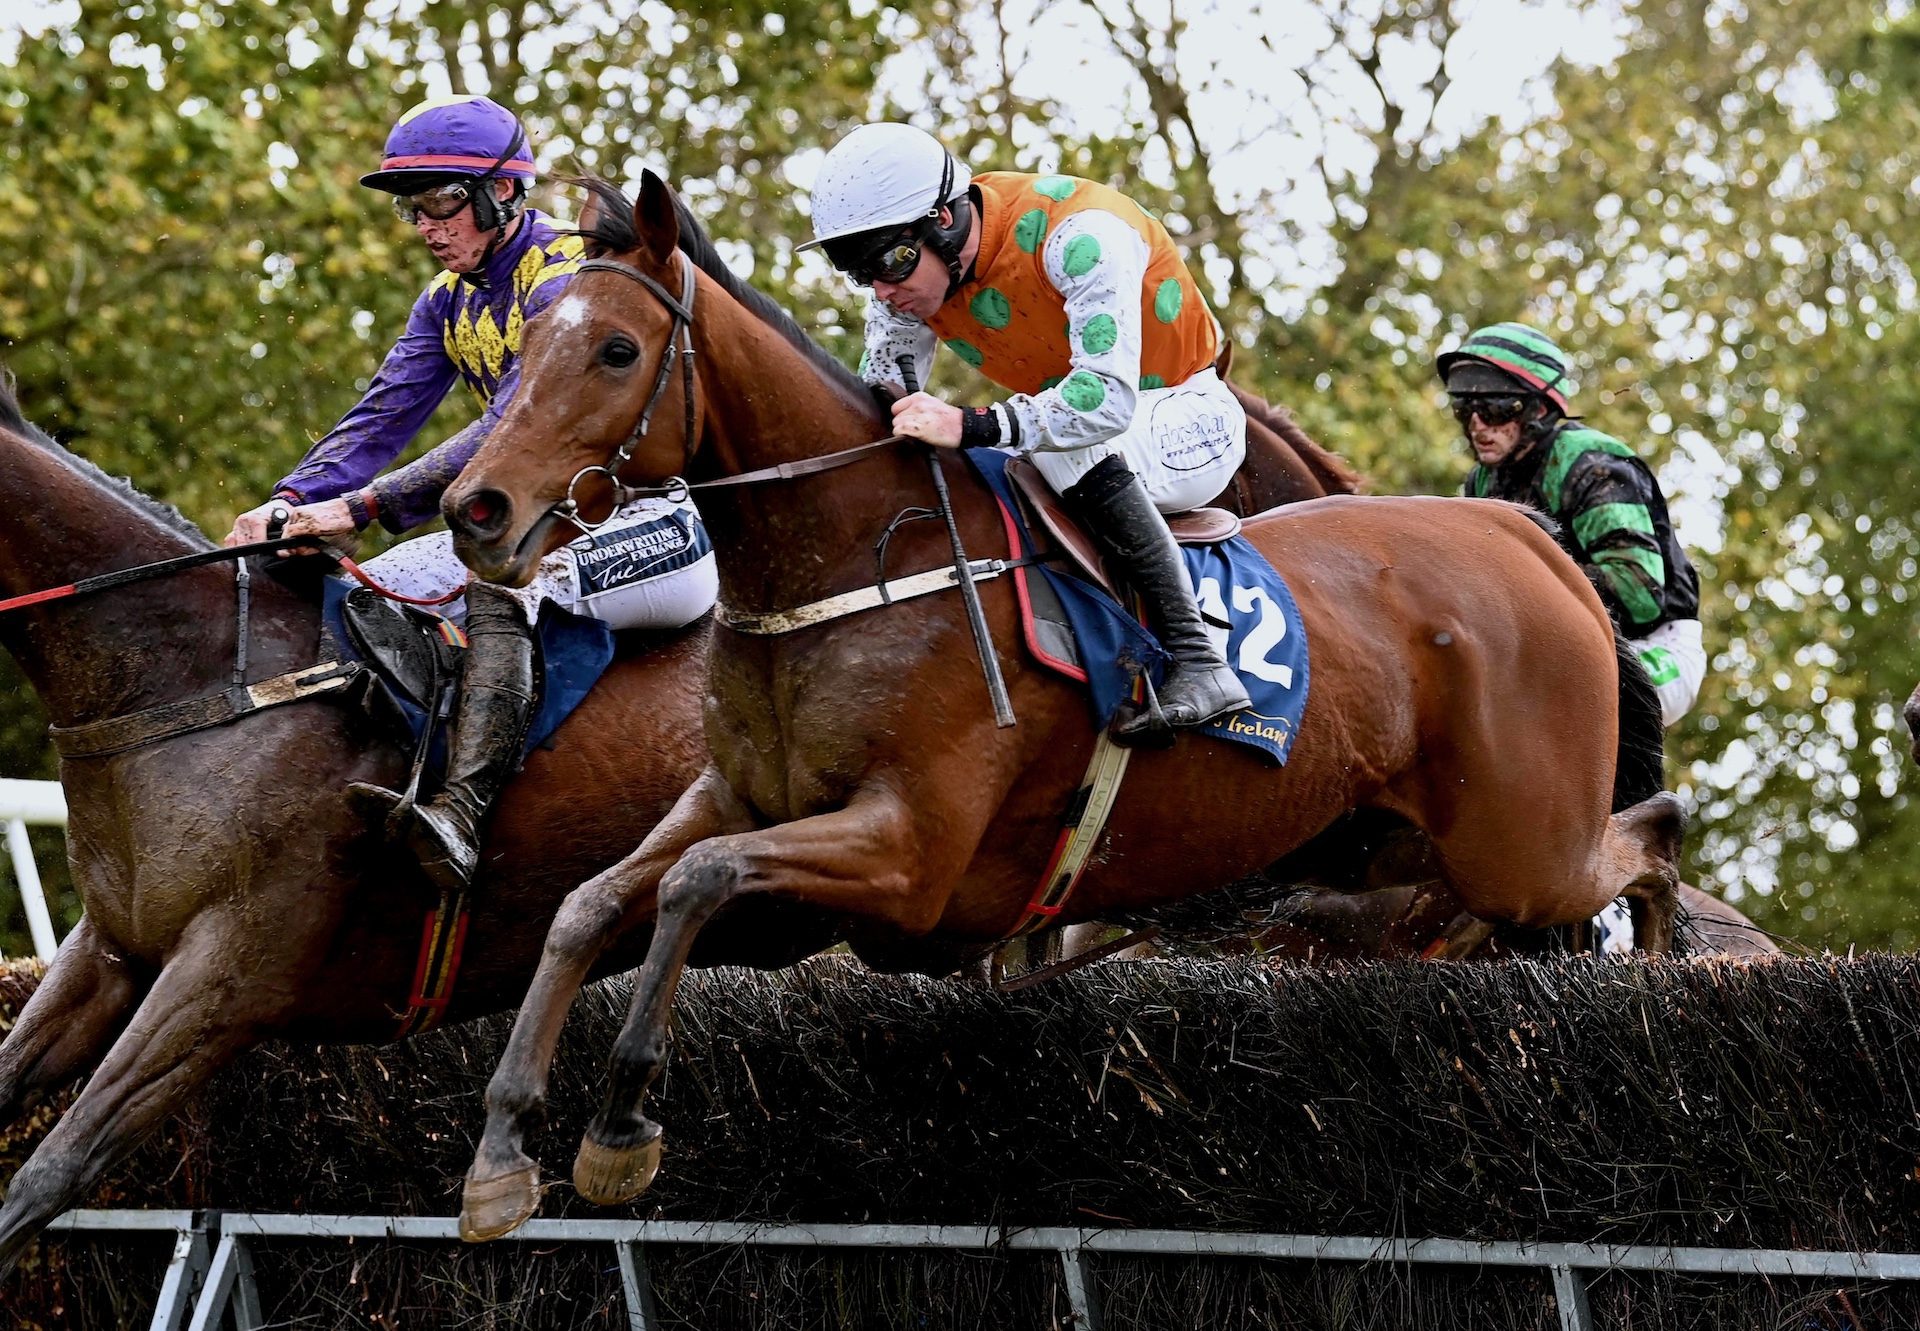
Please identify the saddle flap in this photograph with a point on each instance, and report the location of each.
(1199, 526)
(1054, 519)
(404, 646)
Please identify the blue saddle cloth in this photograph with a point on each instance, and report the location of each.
(1239, 592)
(574, 651)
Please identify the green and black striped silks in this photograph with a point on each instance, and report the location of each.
(1612, 516)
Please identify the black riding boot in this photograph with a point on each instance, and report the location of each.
(1112, 505)
(484, 739)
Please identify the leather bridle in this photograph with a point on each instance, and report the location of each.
(679, 347)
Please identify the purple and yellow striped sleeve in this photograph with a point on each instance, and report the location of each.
(412, 381)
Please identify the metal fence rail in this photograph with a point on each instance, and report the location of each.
(211, 1274)
(40, 803)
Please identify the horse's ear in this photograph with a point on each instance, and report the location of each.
(1224, 361)
(655, 219)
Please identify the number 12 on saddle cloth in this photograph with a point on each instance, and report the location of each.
(1078, 629)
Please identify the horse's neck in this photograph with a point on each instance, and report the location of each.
(115, 651)
(781, 543)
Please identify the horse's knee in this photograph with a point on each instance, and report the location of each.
(586, 919)
(700, 883)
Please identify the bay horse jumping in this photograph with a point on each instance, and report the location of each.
(1465, 677)
(233, 891)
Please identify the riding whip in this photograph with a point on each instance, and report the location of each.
(963, 572)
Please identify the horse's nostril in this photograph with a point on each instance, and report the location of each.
(484, 512)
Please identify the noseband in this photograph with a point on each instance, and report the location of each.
(679, 347)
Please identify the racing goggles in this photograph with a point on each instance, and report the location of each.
(1492, 408)
(440, 203)
(890, 259)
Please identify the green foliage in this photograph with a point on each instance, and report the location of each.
(1713, 223)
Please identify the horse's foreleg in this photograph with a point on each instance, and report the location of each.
(192, 1021)
(861, 860)
(503, 1185)
(75, 1012)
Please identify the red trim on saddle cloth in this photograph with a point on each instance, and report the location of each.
(441, 943)
(1016, 551)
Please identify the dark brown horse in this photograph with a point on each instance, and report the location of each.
(231, 891)
(1465, 677)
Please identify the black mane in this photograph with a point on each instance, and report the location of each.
(613, 233)
(11, 419)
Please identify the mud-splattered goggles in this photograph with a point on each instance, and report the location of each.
(439, 203)
(865, 261)
(1492, 408)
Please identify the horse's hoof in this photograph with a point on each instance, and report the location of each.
(500, 1204)
(610, 1175)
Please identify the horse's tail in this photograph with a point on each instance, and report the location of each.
(1335, 474)
(1639, 771)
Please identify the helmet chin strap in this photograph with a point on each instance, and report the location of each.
(947, 241)
(503, 213)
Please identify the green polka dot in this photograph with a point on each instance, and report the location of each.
(1083, 392)
(1167, 301)
(966, 351)
(1083, 252)
(1050, 381)
(1100, 334)
(1054, 187)
(1152, 381)
(990, 308)
(1030, 230)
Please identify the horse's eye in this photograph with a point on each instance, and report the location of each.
(619, 353)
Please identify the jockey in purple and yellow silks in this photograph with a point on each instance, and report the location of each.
(1069, 295)
(459, 169)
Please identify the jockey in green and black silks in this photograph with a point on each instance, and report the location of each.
(1510, 387)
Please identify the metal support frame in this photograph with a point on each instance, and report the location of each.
(38, 803)
(222, 1277)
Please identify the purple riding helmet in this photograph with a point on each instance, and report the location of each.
(463, 140)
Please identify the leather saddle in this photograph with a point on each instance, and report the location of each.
(402, 646)
(1200, 526)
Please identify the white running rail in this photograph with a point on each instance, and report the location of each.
(41, 803)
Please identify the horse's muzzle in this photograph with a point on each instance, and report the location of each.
(482, 522)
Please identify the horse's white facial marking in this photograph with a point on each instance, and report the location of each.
(571, 312)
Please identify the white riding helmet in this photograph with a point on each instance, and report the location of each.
(883, 175)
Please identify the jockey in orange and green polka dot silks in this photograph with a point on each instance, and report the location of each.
(1068, 294)
(1076, 301)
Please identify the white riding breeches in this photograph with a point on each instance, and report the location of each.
(1676, 662)
(1185, 443)
(650, 566)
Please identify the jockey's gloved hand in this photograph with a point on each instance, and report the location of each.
(330, 521)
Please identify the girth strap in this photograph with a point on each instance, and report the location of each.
(776, 622)
(117, 734)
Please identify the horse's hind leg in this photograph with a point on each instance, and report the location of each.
(75, 1012)
(1645, 844)
(191, 1022)
(503, 1184)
